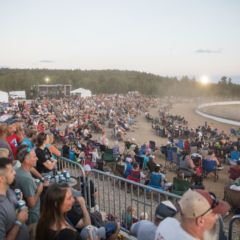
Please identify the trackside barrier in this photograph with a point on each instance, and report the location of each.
(234, 229)
(217, 118)
(116, 195)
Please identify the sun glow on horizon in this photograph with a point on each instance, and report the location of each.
(204, 80)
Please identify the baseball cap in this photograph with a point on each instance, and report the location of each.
(93, 233)
(165, 209)
(196, 203)
(87, 168)
(110, 228)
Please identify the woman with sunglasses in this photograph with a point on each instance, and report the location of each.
(52, 224)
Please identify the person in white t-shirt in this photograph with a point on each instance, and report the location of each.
(199, 212)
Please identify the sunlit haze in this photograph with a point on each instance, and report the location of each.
(169, 38)
(204, 80)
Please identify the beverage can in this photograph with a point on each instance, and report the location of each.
(18, 193)
(61, 177)
(64, 173)
(21, 205)
(56, 178)
(47, 178)
(37, 181)
(67, 176)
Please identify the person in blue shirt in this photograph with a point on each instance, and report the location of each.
(29, 139)
(234, 156)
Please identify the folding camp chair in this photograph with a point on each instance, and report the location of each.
(108, 155)
(172, 159)
(180, 186)
(109, 159)
(210, 166)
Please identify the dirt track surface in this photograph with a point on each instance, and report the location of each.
(231, 112)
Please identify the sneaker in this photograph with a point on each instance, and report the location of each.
(220, 168)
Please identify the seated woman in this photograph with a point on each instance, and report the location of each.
(52, 223)
(45, 163)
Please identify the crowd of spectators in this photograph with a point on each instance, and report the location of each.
(35, 134)
(32, 137)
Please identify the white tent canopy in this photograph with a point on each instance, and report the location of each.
(17, 94)
(3, 97)
(82, 92)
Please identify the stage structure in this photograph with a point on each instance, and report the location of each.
(51, 90)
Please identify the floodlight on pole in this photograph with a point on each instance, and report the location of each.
(47, 79)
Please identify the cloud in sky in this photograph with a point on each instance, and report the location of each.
(46, 61)
(208, 51)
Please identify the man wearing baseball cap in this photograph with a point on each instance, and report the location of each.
(199, 212)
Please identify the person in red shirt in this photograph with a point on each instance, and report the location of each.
(13, 139)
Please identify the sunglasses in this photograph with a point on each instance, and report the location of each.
(214, 204)
(25, 151)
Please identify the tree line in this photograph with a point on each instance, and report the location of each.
(116, 81)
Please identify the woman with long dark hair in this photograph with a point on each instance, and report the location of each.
(52, 224)
(45, 163)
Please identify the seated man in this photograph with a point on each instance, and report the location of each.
(187, 166)
(212, 157)
(234, 156)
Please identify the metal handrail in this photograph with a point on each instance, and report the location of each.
(116, 195)
(71, 166)
(234, 219)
